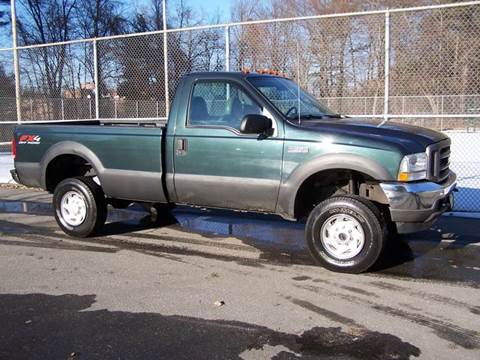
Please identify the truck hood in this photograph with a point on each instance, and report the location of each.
(408, 137)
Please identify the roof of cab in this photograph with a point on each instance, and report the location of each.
(228, 74)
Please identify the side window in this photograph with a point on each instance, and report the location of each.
(220, 104)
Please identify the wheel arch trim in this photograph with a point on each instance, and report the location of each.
(291, 185)
(69, 148)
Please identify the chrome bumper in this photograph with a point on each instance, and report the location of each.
(415, 206)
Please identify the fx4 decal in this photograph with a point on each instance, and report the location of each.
(29, 139)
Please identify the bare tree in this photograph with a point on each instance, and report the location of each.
(43, 69)
(98, 18)
(4, 13)
(195, 50)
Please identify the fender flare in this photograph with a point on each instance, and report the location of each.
(69, 148)
(290, 186)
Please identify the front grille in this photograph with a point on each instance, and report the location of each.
(439, 161)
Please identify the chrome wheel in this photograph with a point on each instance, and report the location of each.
(342, 236)
(73, 208)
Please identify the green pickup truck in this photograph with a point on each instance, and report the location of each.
(249, 142)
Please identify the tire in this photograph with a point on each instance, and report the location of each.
(345, 234)
(80, 206)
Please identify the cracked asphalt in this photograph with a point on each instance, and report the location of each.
(146, 290)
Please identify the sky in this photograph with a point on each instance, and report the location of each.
(212, 5)
(5, 41)
(208, 7)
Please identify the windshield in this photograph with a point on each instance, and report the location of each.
(284, 95)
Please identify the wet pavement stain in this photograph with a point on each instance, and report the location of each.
(424, 295)
(269, 254)
(359, 291)
(301, 278)
(475, 310)
(356, 336)
(39, 326)
(448, 252)
(465, 338)
(337, 344)
(331, 315)
(26, 207)
(36, 238)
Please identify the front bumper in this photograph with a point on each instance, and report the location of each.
(416, 206)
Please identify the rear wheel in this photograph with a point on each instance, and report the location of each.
(346, 234)
(80, 206)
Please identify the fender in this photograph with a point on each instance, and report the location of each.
(290, 186)
(70, 148)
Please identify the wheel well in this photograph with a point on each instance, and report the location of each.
(66, 166)
(327, 183)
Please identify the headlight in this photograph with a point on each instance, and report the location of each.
(413, 167)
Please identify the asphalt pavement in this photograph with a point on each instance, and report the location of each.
(215, 285)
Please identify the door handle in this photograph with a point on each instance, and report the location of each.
(181, 147)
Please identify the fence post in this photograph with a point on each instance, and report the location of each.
(386, 93)
(165, 56)
(16, 66)
(95, 74)
(89, 106)
(63, 108)
(441, 111)
(227, 48)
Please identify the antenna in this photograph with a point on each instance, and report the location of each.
(298, 85)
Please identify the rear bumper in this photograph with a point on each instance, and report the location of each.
(416, 206)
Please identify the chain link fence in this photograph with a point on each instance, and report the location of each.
(418, 66)
(7, 100)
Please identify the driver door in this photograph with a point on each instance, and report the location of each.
(215, 164)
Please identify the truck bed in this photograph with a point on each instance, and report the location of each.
(126, 156)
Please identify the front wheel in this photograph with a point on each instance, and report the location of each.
(345, 234)
(80, 206)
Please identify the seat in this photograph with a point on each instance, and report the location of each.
(237, 109)
(199, 110)
(234, 112)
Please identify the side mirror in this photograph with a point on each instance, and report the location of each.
(255, 124)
